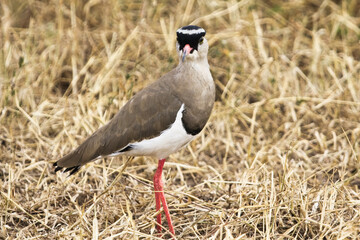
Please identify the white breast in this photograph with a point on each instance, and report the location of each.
(168, 142)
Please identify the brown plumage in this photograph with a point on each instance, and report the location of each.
(147, 114)
(160, 119)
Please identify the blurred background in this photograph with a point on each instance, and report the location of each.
(279, 158)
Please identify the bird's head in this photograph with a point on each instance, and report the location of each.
(191, 43)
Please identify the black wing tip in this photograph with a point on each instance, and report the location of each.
(72, 170)
(58, 168)
(127, 148)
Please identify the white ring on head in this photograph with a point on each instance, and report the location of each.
(190, 31)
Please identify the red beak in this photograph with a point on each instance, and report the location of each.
(186, 51)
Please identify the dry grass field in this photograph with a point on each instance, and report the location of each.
(279, 158)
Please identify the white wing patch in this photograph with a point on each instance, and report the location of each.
(168, 142)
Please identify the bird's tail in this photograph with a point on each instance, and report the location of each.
(86, 152)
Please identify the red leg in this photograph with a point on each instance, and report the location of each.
(158, 206)
(166, 210)
(160, 197)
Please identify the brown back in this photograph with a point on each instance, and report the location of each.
(150, 112)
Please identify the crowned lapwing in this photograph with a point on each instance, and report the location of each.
(160, 119)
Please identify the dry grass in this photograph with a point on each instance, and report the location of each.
(279, 158)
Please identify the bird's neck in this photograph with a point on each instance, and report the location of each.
(201, 63)
(198, 70)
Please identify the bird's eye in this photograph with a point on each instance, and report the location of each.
(201, 41)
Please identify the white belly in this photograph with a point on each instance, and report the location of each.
(168, 142)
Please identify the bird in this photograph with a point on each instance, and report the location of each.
(158, 120)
